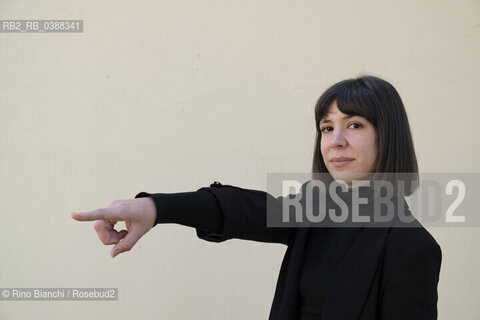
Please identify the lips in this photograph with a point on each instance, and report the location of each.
(341, 161)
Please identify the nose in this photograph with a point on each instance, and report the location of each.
(338, 139)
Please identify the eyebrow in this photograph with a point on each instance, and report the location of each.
(345, 117)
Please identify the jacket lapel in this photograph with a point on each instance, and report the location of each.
(285, 302)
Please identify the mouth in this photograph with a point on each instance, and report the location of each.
(341, 162)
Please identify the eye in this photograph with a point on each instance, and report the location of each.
(355, 125)
(325, 129)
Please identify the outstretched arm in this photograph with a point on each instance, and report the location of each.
(219, 212)
(222, 212)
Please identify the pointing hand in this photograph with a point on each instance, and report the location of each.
(139, 216)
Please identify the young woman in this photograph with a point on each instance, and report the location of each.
(388, 272)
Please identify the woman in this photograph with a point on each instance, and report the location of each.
(327, 273)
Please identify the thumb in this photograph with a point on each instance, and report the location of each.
(127, 243)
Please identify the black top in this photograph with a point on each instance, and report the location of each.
(324, 252)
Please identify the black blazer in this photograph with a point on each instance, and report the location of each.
(390, 272)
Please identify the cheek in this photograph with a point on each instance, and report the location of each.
(371, 160)
(323, 148)
(365, 150)
(370, 152)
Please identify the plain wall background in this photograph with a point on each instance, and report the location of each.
(168, 96)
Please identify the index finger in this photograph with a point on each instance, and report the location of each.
(97, 214)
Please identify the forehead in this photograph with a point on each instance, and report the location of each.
(332, 109)
(334, 112)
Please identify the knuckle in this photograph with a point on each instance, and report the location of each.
(109, 240)
(100, 231)
(97, 225)
(104, 241)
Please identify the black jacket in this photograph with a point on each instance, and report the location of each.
(390, 272)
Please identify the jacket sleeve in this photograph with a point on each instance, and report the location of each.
(221, 212)
(411, 291)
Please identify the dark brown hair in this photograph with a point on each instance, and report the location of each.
(377, 101)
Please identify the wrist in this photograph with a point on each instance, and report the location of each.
(148, 210)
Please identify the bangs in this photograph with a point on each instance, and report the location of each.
(351, 99)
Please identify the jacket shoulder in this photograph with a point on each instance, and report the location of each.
(406, 236)
(408, 246)
(410, 274)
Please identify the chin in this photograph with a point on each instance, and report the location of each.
(342, 177)
(348, 177)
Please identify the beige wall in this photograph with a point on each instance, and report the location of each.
(165, 96)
